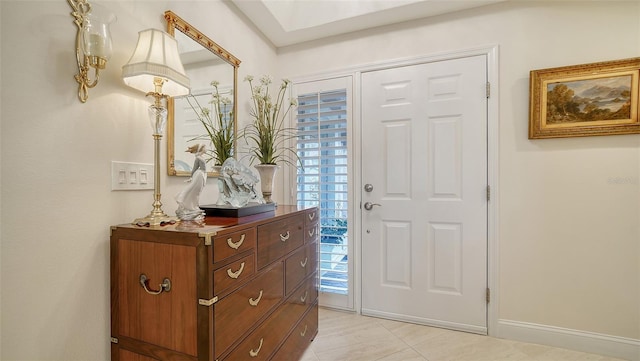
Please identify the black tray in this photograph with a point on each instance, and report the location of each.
(230, 211)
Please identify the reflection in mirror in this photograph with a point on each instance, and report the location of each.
(204, 61)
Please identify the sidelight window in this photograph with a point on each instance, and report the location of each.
(322, 124)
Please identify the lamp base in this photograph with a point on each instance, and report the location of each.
(155, 219)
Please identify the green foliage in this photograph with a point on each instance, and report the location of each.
(333, 231)
(267, 135)
(218, 127)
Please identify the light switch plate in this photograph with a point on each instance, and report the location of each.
(128, 176)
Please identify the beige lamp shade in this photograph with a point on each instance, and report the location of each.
(156, 55)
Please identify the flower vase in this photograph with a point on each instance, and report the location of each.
(220, 183)
(267, 174)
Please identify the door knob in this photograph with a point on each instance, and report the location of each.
(369, 206)
(368, 187)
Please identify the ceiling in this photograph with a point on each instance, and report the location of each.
(288, 22)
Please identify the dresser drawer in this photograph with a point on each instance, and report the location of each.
(311, 233)
(302, 298)
(300, 265)
(300, 338)
(233, 244)
(233, 274)
(311, 217)
(239, 311)
(278, 238)
(265, 339)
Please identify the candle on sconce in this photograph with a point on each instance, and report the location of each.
(96, 38)
(95, 46)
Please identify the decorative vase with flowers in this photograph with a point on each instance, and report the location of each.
(218, 122)
(267, 136)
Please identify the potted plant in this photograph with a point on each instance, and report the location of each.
(218, 124)
(266, 135)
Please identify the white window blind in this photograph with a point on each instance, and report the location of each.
(322, 182)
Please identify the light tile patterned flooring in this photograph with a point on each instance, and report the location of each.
(347, 336)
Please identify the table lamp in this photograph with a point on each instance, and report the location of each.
(155, 68)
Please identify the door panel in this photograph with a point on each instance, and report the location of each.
(397, 249)
(424, 249)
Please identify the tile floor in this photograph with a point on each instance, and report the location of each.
(346, 336)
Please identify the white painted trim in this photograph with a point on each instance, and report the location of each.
(584, 341)
(426, 321)
(493, 171)
(335, 301)
(490, 50)
(356, 168)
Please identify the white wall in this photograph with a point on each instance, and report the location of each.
(57, 205)
(568, 233)
(569, 230)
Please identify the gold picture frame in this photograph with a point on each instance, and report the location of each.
(584, 100)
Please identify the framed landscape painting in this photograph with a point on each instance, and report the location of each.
(583, 100)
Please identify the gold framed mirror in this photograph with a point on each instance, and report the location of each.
(204, 61)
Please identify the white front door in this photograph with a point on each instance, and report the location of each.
(424, 236)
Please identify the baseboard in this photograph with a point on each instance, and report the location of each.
(612, 346)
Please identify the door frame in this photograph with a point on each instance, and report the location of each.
(491, 52)
(339, 302)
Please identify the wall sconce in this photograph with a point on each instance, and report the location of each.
(155, 68)
(93, 43)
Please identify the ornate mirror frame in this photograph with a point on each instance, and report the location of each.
(175, 22)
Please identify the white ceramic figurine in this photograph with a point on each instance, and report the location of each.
(189, 198)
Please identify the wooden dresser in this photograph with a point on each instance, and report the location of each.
(232, 289)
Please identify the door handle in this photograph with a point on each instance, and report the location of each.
(369, 206)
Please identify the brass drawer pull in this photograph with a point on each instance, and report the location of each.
(304, 298)
(165, 286)
(237, 273)
(285, 237)
(237, 244)
(304, 332)
(255, 353)
(312, 216)
(255, 302)
(303, 264)
(312, 232)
